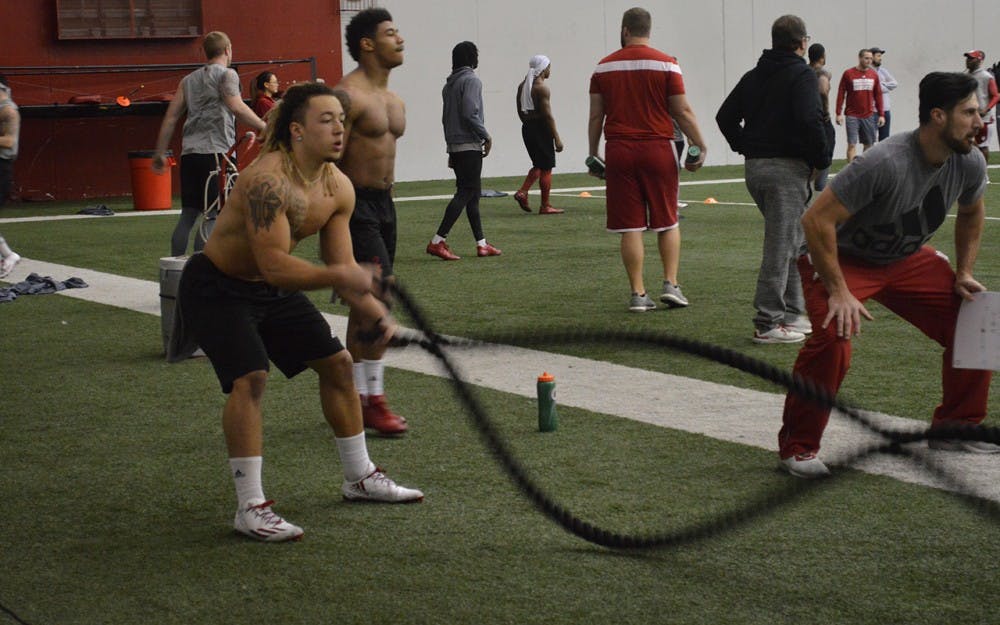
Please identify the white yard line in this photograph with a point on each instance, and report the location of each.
(566, 192)
(716, 410)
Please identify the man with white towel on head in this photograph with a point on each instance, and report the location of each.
(538, 129)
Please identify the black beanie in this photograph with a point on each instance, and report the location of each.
(465, 54)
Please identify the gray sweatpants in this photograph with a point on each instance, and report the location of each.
(780, 187)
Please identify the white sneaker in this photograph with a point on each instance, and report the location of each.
(802, 325)
(807, 466)
(258, 521)
(7, 265)
(779, 334)
(378, 487)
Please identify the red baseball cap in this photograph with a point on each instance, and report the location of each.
(979, 55)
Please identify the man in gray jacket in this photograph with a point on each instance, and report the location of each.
(888, 83)
(468, 143)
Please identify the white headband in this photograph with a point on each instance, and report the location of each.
(536, 66)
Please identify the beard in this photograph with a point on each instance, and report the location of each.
(959, 146)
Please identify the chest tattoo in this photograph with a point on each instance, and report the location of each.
(298, 209)
(264, 199)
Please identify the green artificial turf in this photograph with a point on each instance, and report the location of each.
(118, 503)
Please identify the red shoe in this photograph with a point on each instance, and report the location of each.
(522, 201)
(548, 210)
(377, 416)
(442, 251)
(487, 250)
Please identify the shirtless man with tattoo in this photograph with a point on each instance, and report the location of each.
(242, 300)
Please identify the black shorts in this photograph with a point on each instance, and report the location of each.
(241, 325)
(373, 228)
(195, 170)
(539, 142)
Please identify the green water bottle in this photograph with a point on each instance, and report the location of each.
(547, 403)
(693, 154)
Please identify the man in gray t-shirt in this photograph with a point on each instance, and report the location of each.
(210, 98)
(897, 199)
(866, 236)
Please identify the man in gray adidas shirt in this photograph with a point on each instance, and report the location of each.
(867, 234)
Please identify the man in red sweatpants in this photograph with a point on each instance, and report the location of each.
(867, 234)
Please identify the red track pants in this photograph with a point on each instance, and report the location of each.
(920, 289)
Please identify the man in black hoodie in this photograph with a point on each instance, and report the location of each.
(774, 118)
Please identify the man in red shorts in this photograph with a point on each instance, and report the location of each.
(636, 95)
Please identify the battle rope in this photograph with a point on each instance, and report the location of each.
(764, 504)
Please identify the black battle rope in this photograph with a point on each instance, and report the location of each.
(756, 508)
(12, 615)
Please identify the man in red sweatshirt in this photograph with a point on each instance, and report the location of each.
(859, 88)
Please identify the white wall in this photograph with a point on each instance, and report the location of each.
(716, 41)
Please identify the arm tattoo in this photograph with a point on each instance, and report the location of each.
(265, 199)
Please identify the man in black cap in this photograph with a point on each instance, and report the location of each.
(888, 84)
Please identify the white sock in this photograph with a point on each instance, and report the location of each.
(5, 250)
(436, 239)
(360, 380)
(246, 476)
(373, 376)
(481, 243)
(354, 456)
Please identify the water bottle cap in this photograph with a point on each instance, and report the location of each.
(694, 151)
(546, 377)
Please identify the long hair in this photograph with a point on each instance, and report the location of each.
(291, 108)
(943, 90)
(364, 25)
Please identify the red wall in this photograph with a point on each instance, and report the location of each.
(81, 157)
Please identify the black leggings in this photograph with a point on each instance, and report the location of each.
(468, 168)
(6, 179)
